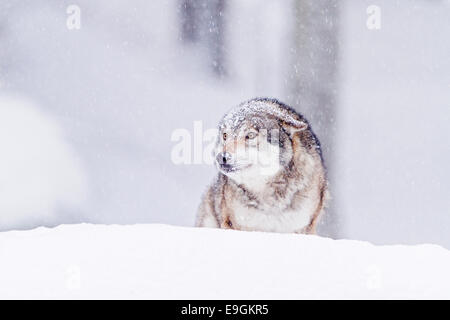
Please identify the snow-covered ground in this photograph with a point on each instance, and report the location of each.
(159, 261)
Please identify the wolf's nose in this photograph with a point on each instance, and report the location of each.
(223, 158)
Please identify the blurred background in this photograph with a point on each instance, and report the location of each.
(91, 92)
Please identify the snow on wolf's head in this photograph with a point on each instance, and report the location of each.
(253, 140)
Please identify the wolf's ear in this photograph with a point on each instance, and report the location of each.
(293, 126)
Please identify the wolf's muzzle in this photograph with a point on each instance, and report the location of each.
(224, 160)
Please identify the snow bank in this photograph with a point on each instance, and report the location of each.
(39, 173)
(157, 261)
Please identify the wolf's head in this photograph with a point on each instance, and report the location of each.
(256, 140)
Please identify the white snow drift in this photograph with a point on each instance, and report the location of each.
(156, 261)
(39, 172)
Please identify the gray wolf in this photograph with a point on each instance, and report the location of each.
(271, 173)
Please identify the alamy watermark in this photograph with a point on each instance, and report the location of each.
(73, 21)
(235, 150)
(374, 17)
(73, 278)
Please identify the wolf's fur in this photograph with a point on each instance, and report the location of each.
(289, 198)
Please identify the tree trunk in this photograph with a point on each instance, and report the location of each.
(202, 22)
(216, 36)
(313, 79)
(189, 18)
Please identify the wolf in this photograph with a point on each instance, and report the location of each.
(271, 174)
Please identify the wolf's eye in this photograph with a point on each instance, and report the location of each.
(224, 136)
(250, 135)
